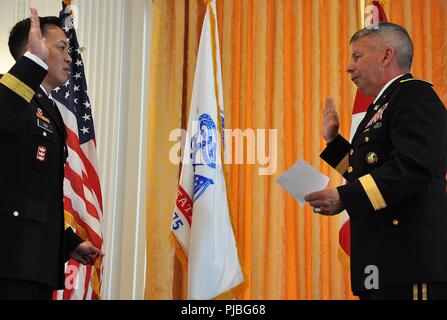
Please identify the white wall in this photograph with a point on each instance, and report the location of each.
(115, 35)
(6, 22)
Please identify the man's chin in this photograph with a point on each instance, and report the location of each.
(63, 81)
(363, 91)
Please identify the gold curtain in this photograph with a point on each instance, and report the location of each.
(280, 60)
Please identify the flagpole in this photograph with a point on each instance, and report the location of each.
(362, 13)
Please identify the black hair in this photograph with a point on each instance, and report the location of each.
(18, 36)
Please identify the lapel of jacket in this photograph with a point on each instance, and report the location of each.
(374, 107)
(48, 105)
(364, 121)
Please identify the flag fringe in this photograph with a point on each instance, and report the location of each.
(344, 258)
(179, 253)
(213, 23)
(94, 279)
(231, 294)
(70, 220)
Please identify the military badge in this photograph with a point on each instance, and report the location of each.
(41, 153)
(44, 125)
(372, 158)
(377, 125)
(39, 114)
(377, 116)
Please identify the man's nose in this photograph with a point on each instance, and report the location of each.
(350, 68)
(68, 58)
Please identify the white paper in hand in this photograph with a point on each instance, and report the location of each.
(302, 179)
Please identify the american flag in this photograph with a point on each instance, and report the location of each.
(82, 191)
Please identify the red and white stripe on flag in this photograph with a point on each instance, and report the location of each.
(201, 223)
(83, 210)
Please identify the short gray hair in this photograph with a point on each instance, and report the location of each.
(391, 35)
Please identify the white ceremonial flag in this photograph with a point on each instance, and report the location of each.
(201, 222)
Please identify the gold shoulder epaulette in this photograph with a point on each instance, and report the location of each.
(416, 79)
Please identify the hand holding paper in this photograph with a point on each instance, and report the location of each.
(302, 179)
(326, 202)
(306, 184)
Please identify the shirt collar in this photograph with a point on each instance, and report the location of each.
(46, 93)
(386, 86)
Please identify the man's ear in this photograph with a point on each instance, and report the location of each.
(388, 56)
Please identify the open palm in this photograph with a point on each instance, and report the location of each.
(331, 123)
(36, 43)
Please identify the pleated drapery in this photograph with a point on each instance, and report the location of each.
(280, 60)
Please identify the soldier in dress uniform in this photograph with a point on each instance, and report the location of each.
(395, 170)
(34, 240)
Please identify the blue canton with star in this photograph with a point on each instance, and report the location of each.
(73, 94)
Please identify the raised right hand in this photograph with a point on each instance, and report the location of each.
(331, 124)
(37, 45)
